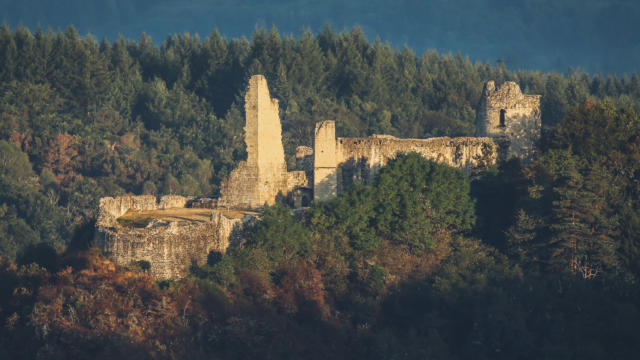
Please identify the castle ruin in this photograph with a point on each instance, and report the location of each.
(511, 118)
(257, 181)
(171, 235)
(180, 232)
(341, 162)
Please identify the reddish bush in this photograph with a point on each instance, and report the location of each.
(103, 305)
(300, 289)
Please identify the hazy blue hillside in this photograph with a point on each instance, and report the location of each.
(596, 35)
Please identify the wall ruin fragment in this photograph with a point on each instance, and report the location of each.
(260, 179)
(511, 118)
(171, 248)
(340, 162)
(325, 180)
(506, 120)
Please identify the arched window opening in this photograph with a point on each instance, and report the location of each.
(503, 114)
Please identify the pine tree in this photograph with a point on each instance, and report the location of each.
(582, 231)
(634, 85)
(523, 239)
(43, 49)
(8, 55)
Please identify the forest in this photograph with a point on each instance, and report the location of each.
(522, 261)
(596, 35)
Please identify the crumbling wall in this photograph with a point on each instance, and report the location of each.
(325, 180)
(258, 180)
(304, 161)
(340, 162)
(360, 159)
(511, 118)
(203, 203)
(111, 208)
(239, 189)
(173, 201)
(171, 249)
(296, 179)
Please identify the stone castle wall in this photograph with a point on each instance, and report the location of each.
(340, 162)
(171, 248)
(304, 161)
(508, 123)
(111, 208)
(511, 118)
(360, 159)
(325, 180)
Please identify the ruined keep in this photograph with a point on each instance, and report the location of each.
(177, 232)
(263, 176)
(511, 118)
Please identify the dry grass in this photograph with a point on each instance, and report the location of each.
(140, 219)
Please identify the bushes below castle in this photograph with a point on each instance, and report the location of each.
(343, 281)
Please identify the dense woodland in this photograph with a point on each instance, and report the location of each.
(540, 261)
(596, 35)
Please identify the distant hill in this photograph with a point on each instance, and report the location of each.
(595, 35)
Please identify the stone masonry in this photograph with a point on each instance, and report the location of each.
(508, 124)
(325, 175)
(171, 248)
(263, 176)
(511, 118)
(340, 162)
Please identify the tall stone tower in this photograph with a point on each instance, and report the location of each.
(511, 118)
(325, 176)
(258, 180)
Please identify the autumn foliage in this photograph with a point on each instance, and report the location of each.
(60, 157)
(99, 306)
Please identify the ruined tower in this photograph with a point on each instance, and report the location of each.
(325, 180)
(511, 118)
(258, 180)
